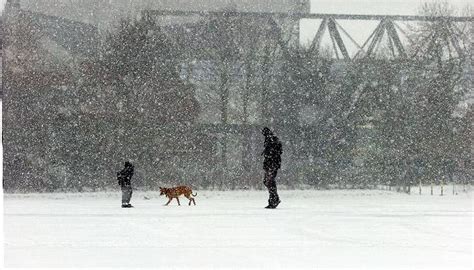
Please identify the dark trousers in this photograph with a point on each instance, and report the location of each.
(126, 194)
(270, 183)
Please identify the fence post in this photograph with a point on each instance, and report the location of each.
(420, 186)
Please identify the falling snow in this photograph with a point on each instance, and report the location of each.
(182, 89)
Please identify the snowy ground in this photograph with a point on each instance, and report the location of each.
(353, 229)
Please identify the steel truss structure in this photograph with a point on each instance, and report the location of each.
(387, 25)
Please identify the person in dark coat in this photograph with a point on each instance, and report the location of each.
(271, 163)
(124, 178)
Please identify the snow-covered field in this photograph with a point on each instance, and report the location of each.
(310, 229)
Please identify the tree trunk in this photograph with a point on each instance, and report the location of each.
(464, 183)
(224, 117)
(442, 186)
(223, 161)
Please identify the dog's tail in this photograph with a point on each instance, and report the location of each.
(194, 195)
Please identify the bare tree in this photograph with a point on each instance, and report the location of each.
(443, 57)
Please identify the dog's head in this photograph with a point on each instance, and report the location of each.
(162, 191)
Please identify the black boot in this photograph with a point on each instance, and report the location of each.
(276, 204)
(273, 205)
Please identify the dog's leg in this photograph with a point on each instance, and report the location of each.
(169, 201)
(193, 202)
(189, 198)
(178, 200)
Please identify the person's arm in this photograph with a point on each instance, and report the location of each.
(119, 178)
(279, 147)
(266, 147)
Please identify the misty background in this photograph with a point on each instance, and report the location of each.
(185, 99)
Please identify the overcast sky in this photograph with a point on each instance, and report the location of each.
(406, 7)
(358, 30)
(361, 30)
(363, 6)
(383, 7)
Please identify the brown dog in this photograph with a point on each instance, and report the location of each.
(175, 192)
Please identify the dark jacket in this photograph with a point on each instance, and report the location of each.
(272, 153)
(125, 175)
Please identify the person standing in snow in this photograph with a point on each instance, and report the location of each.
(271, 163)
(124, 180)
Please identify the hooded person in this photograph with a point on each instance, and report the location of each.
(124, 178)
(271, 163)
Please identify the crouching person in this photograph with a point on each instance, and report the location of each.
(124, 180)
